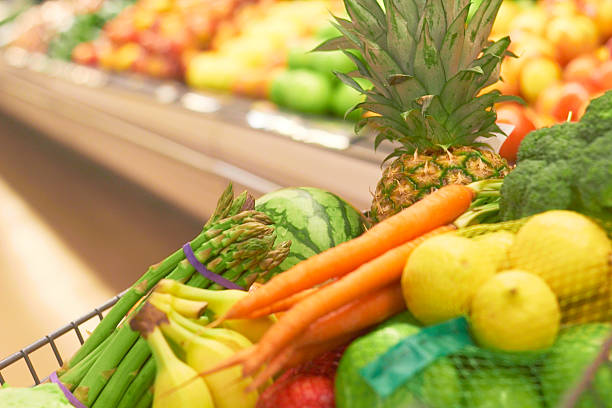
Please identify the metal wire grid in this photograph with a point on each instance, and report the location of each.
(50, 340)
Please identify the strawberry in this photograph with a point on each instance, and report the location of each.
(310, 385)
(299, 391)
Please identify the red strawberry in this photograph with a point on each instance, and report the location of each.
(299, 391)
(310, 385)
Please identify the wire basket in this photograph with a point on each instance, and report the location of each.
(50, 340)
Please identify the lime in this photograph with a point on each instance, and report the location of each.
(576, 349)
(566, 249)
(515, 311)
(500, 388)
(442, 275)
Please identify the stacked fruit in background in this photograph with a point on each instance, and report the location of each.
(308, 83)
(248, 49)
(564, 50)
(155, 37)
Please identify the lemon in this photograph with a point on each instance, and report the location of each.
(515, 311)
(566, 249)
(442, 275)
(496, 244)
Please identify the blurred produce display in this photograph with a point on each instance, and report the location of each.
(262, 49)
(564, 61)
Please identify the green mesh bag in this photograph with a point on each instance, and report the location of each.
(541, 326)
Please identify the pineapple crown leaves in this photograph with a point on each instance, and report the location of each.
(427, 64)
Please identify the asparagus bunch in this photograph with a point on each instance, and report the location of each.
(114, 366)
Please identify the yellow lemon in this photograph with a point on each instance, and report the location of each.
(442, 275)
(515, 311)
(496, 245)
(566, 249)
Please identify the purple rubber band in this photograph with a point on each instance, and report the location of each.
(66, 391)
(205, 272)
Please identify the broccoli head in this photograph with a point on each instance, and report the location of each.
(594, 177)
(536, 186)
(597, 118)
(551, 143)
(566, 166)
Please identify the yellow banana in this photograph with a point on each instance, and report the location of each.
(226, 386)
(186, 307)
(176, 383)
(220, 302)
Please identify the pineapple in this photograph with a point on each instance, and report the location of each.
(427, 65)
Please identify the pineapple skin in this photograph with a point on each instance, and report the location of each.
(410, 177)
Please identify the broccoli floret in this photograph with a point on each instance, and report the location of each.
(597, 118)
(566, 166)
(594, 176)
(553, 143)
(536, 186)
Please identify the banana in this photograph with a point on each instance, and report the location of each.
(226, 386)
(231, 338)
(176, 383)
(220, 302)
(186, 307)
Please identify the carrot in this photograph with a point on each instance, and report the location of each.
(438, 208)
(355, 316)
(285, 304)
(294, 356)
(373, 275)
(335, 328)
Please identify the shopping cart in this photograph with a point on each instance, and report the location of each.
(51, 341)
(570, 401)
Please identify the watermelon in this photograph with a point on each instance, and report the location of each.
(312, 219)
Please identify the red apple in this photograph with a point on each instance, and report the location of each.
(513, 114)
(573, 96)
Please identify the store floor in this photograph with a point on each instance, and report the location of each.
(72, 235)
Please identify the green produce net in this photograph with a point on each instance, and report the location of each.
(539, 324)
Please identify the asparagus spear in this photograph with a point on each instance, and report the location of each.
(73, 377)
(106, 364)
(146, 400)
(125, 374)
(224, 204)
(237, 234)
(144, 381)
(272, 260)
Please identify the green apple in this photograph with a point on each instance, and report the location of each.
(575, 349)
(307, 92)
(326, 32)
(343, 98)
(278, 85)
(438, 385)
(501, 388)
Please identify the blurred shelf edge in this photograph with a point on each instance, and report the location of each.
(182, 145)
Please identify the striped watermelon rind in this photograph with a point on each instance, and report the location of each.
(312, 219)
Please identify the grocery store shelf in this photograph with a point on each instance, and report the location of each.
(179, 144)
